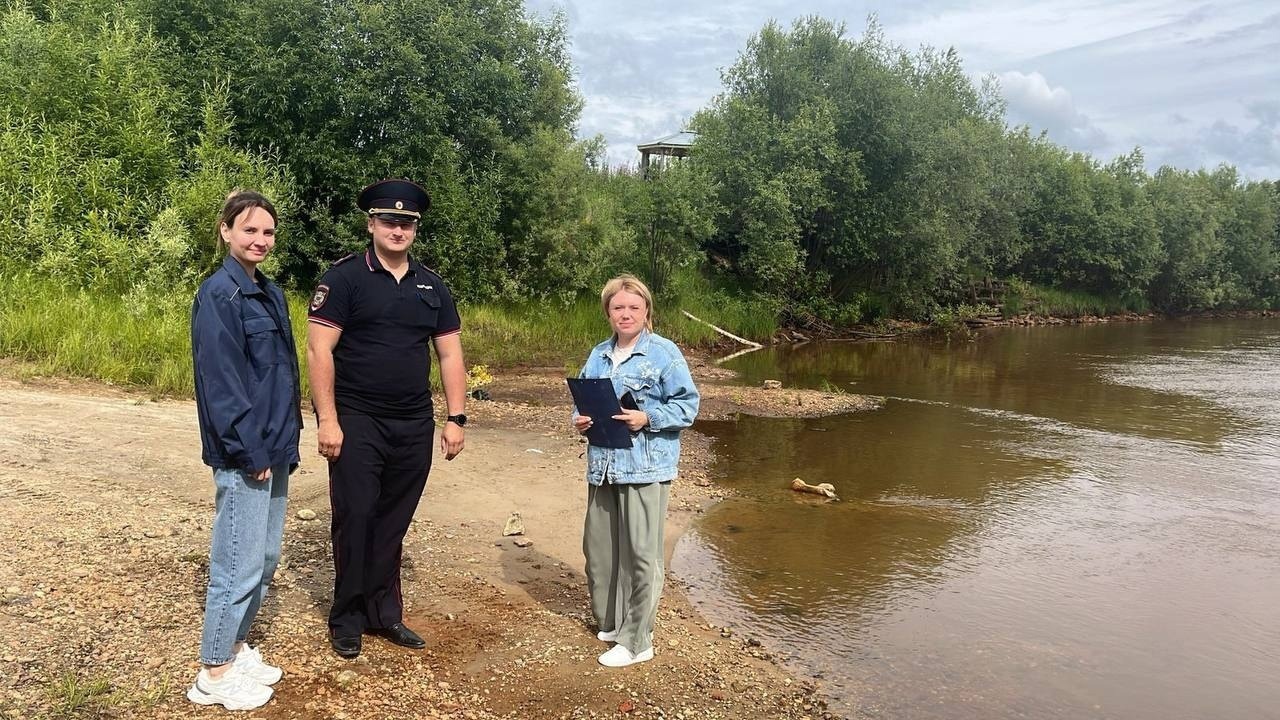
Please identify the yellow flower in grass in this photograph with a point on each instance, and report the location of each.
(478, 377)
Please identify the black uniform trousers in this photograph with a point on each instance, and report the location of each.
(374, 488)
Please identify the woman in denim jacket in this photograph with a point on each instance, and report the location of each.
(628, 488)
(247, 400)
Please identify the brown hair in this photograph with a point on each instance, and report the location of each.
(237, 202)
(631, 284)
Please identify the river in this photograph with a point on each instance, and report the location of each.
(1046, 522)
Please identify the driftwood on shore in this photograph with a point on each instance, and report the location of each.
(721, 330)
(824, 489)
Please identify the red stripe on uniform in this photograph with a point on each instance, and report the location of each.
(326, 323)
(447, 333)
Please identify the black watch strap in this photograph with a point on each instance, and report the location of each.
(460, 420)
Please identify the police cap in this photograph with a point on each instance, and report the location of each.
(394, 199)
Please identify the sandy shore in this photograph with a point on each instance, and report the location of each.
(104, 517)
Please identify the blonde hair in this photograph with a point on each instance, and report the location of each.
(631, 284)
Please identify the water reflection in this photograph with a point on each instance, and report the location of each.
(1052, 522)
(1057, 373)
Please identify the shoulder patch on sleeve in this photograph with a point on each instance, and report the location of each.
(319, 297)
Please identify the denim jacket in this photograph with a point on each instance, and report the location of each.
(659, 380)
(246, 372)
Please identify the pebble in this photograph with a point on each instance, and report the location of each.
(347, 677)
(306, 514)
(80, 572)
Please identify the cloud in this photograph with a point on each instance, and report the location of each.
(1032, 101)
(1255, 149)
(1180, 78)
(1251, 145)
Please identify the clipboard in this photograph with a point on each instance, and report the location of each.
(594, 398)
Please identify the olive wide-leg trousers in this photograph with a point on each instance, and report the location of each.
(622, 542)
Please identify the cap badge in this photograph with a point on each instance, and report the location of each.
(399, 205)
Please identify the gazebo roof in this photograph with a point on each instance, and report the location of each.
(675, 141)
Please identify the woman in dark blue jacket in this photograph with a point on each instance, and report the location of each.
(247, 399)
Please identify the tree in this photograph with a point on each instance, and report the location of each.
(452, 94)
(849, 168)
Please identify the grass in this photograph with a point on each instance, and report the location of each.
(74, 695)
(61, 331)
(1056, 302)
(142, 339)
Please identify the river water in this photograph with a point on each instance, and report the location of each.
(1057, 522)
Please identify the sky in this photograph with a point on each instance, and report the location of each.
(1193, 84)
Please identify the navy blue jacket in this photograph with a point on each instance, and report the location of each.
(246, 368)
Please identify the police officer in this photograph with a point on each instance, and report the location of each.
(371, 319)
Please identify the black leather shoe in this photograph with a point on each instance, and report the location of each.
(402, 636)
(347, 646)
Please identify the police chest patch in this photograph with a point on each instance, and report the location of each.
(321, 294)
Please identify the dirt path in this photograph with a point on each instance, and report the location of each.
(104, 521)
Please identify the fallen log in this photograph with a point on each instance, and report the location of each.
(721, 330)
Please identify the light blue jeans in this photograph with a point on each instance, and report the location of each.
(248, 525)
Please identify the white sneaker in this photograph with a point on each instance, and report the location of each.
(234, 690)
(607, 635)
(250, 662)
(619, 656)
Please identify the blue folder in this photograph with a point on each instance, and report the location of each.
(594, 398)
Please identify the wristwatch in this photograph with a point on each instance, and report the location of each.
(460, 420)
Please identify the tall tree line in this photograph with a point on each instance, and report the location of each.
(836, 177)
(857, 178)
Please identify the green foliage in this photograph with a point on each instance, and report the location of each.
(77, 695)
(859, 179)
(672, 212)
(848, 166)
(214, 169)
(1023, 298)
(835, 180)
(750, 315)
(96, 334)
(94, 190)
(85, 144)
(570, 234)
(471, 99)
(144, 339)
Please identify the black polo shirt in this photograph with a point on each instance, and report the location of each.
(382, 364)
